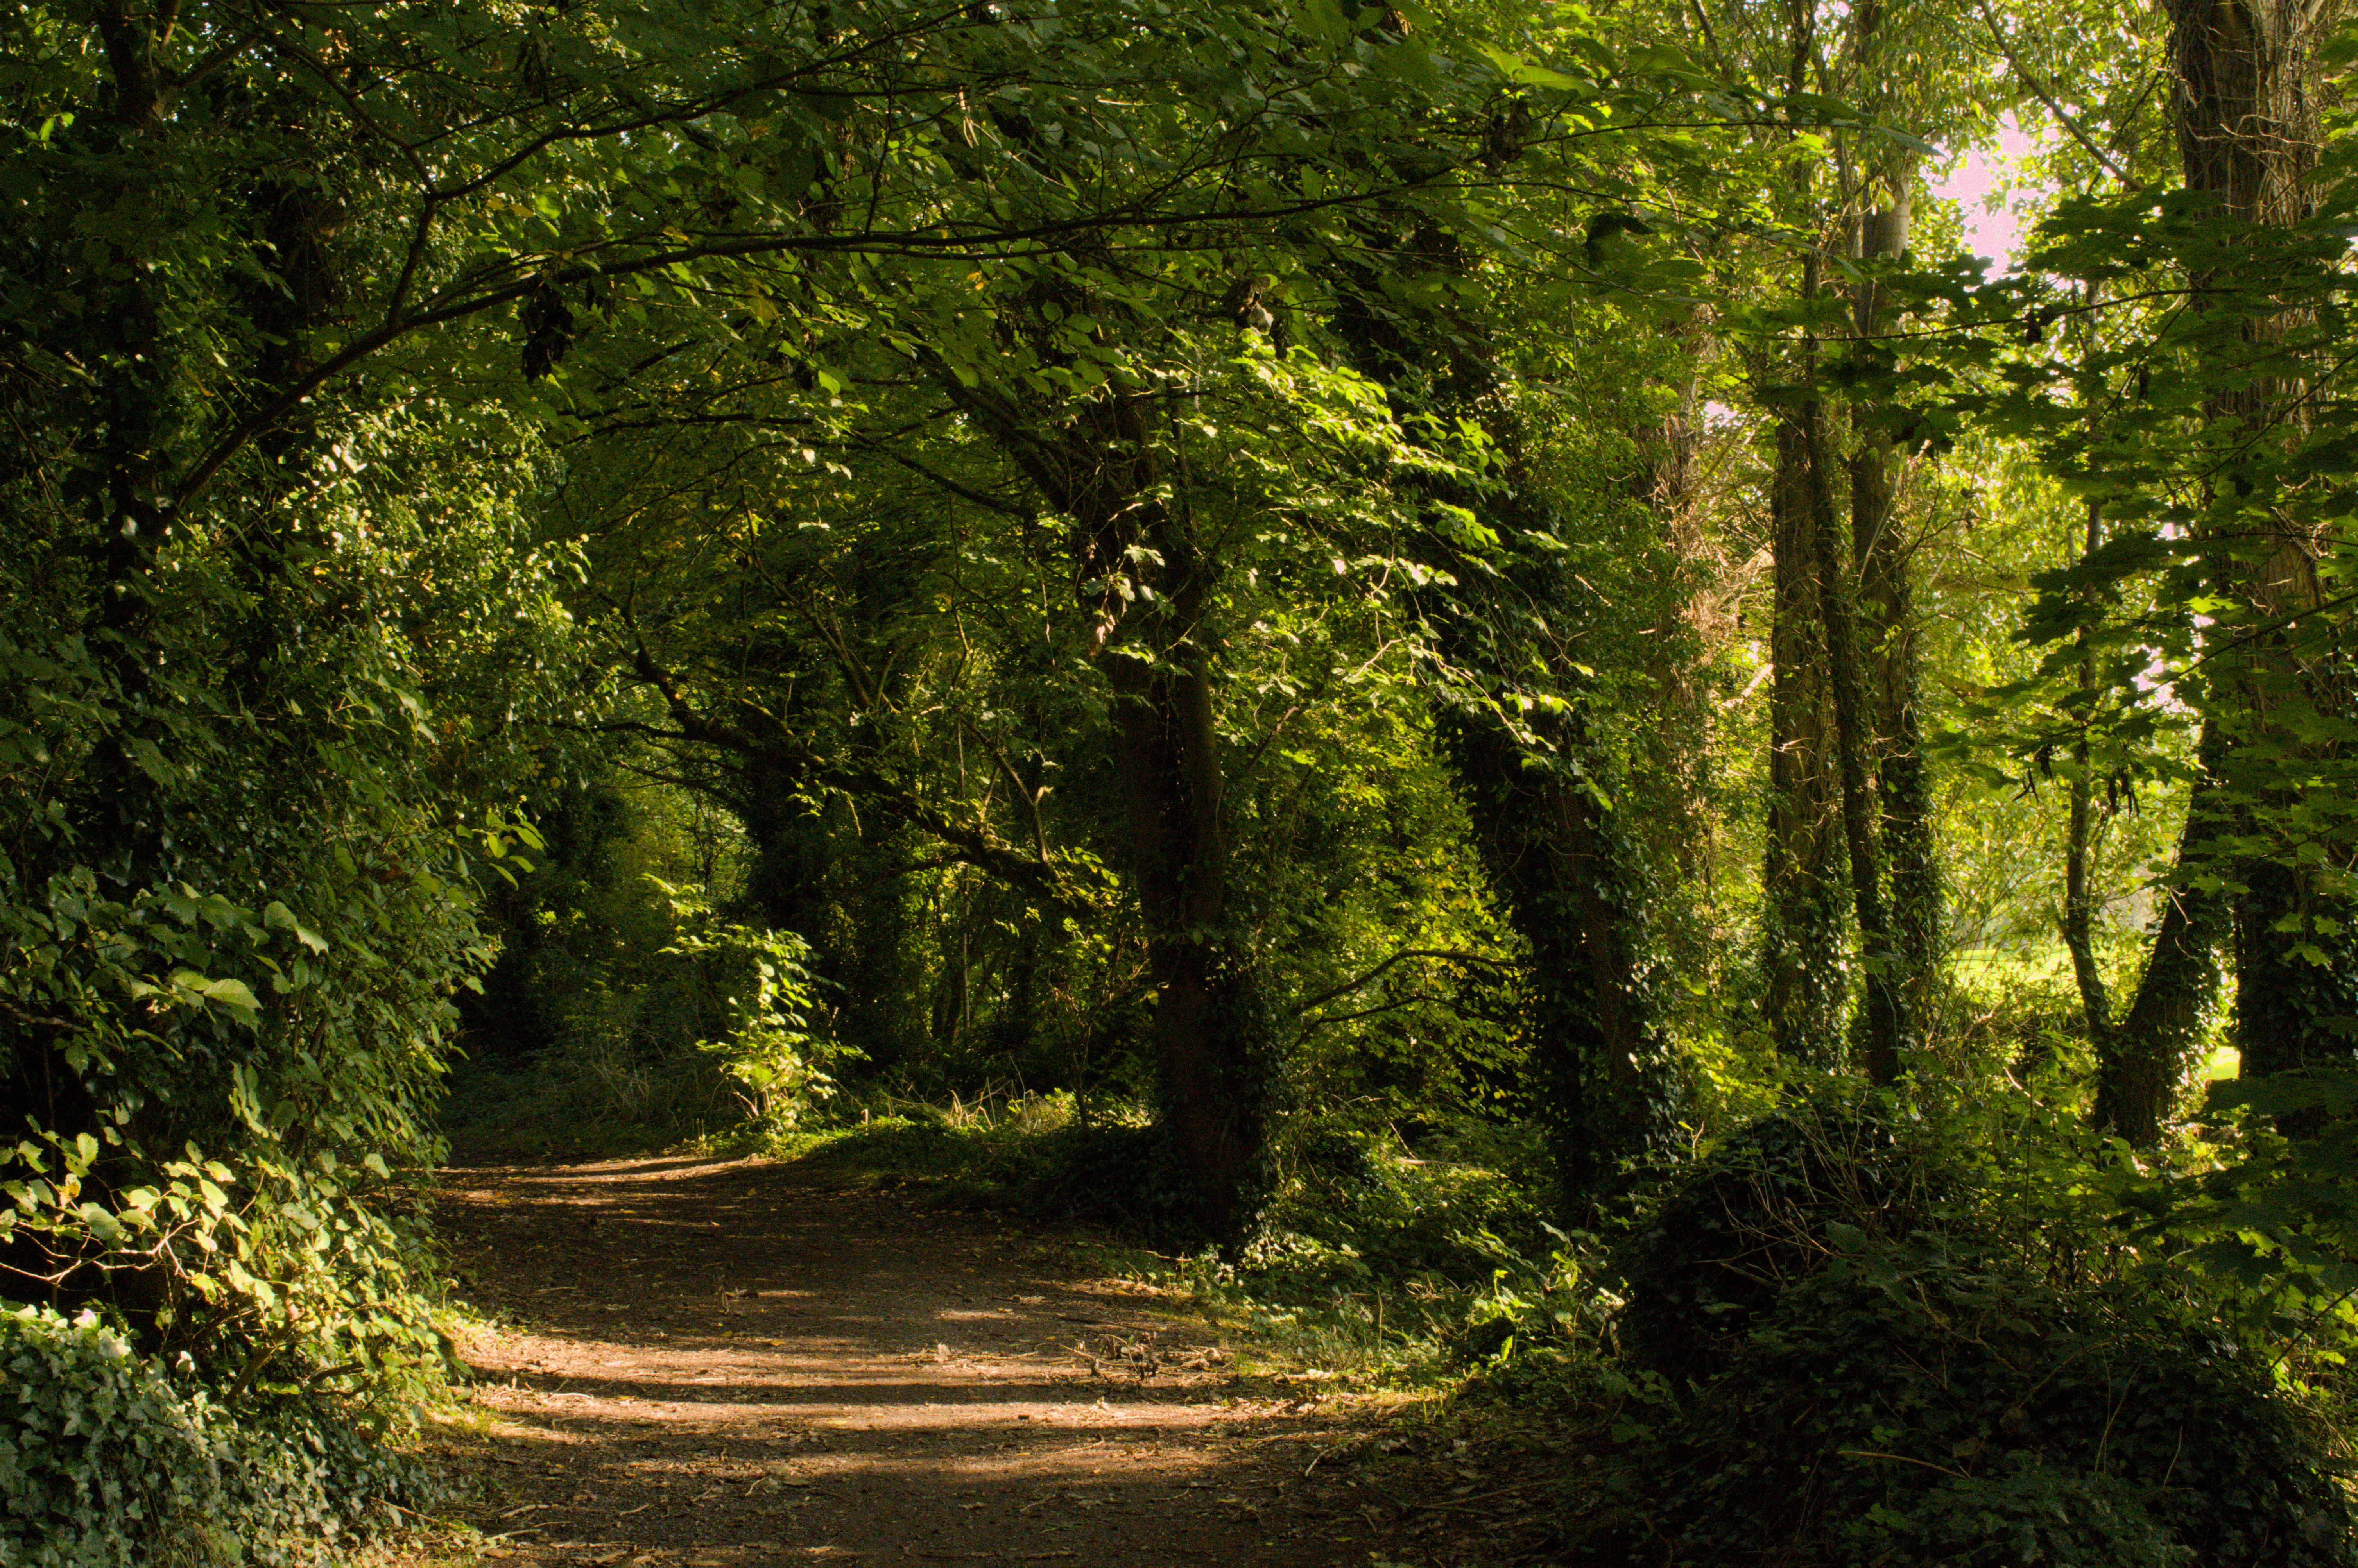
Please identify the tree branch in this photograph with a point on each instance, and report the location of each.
(1405, 953)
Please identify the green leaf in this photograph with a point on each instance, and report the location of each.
(231, 993)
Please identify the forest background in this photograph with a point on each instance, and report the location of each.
(1423, 634)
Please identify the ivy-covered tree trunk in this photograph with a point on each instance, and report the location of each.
(2249, 134)
(1553, 849)
(1606, 1089)
(1845, 680)
(1886, 608)
(1805, 989)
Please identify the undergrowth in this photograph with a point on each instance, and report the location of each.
(109, 1460)
(1372, 1260)
(1845, 1337)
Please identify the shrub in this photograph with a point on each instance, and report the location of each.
(1908, 1404)
(1752, 1218)
(106, 1461)
(1883, 1368)
(1455, 1223)
(1113, 1174)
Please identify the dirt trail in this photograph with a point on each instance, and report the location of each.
(725, 1363)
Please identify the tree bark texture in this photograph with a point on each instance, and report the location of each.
(2247, 122)
(1806, 985)
(2249, 133)
(1888, 622)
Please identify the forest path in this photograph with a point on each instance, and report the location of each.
(726, 1363)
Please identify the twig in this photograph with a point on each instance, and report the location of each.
(1479, 1496)
(1899, 1458)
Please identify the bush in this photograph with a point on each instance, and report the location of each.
(1111, 1173)
(1910, 1405)
(105, 1462)
(1882, 1368)
(1752, 1218)
(1455, 1223)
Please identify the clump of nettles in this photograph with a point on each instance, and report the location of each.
(106, 1461)
(1870, 1377)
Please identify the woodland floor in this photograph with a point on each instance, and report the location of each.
(709, 1364)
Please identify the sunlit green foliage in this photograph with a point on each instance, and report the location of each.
(1225, 576)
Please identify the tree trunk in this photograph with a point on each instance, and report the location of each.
(1212, 1030)
(1803, 880)
(1844, 680)
(2079, 895)
(2248, 127)
(1886, 605)
(1551, 850)
(2146, 1060)
(1607, 1091)
(1214, 1036)
(2249, 133)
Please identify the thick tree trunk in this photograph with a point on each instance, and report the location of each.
(2249, 134)
(1213, 1030)
(1607, 1091)
(1550, 849)
(2247, 124)
(2293, 1007)
(121, 820)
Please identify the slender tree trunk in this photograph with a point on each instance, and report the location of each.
(2140, 1076)
(2079, 892)
(2080, 915)
(1803, 880)
(1886, 602)
(1804, 931)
